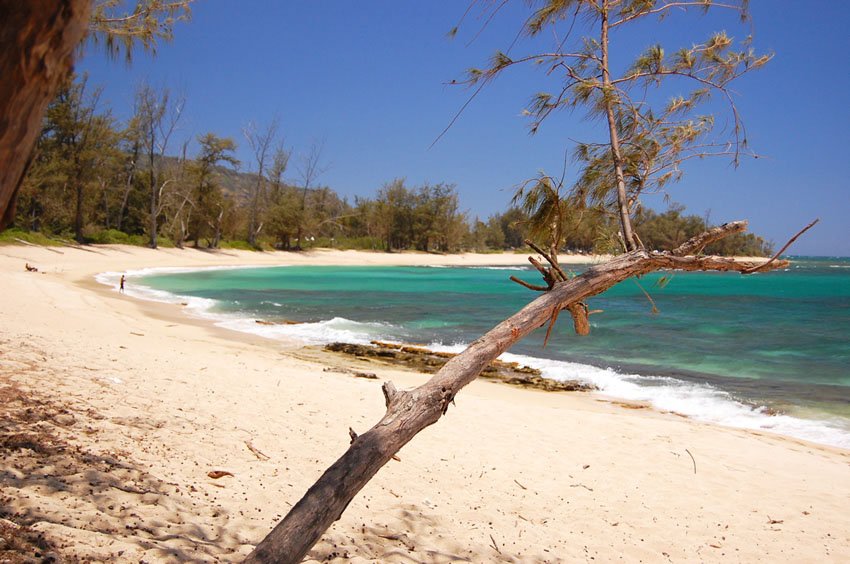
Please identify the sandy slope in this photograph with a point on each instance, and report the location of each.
(114, 411)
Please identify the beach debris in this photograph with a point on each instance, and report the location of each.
(260, 455)
(216, 474)
(64, 419)
(30, 268)
(520, 485)
(581, 486)
(693, 460)
(355, 373)
(495, 546)
(771, 521)
(137, 334)
(400, 538)
(280, 322)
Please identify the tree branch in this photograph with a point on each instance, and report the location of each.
(409, 412)
(697, 243)
(782, 250)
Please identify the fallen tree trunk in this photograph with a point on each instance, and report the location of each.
(37, 43)
(409, 412)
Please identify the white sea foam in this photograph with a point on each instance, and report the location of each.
(321, 332)
(497, 268)
(702, 402)
(338, 329)
(698, 401)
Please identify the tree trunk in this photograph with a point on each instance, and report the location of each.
(37, 42)
(409, 412)
(128, 186)
(614, 138)
(78, 212)
(152, 226)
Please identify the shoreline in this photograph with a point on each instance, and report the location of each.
(710, 398)
(173, 399)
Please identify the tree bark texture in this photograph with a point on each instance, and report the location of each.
(409, 412)
(37, 43)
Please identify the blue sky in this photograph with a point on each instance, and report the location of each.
(369, 79)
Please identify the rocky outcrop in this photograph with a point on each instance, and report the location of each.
(425, 360)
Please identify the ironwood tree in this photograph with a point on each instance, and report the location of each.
(210, 205)
(76, 159)
(120, 26)
(310, 167)
(643, 150)
(261, 142)
(156, 118)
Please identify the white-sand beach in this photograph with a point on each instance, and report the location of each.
(116, 410)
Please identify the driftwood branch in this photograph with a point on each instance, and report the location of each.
(409, 412)
(782, 250)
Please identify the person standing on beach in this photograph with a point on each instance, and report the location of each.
(121, 284)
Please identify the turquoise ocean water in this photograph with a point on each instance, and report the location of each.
(769, 351)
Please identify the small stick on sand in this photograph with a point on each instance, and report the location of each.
(693, 460)
(496, 546)
(260, 455)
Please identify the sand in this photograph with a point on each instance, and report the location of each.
(115, 411)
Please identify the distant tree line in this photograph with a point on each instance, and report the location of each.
(97, 180)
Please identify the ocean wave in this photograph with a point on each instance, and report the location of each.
(338, 329)
(195, 305)
(321, 332)
(701, 402)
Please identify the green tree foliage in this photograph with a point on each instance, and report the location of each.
(647, 138)
(212, 210)
(261, 142)
(76, 158)
(666, 231)
(120, 25)
(425, 218)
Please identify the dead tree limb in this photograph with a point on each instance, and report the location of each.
(37, 43)
(782, 250)
(697, 243)
(410, 411)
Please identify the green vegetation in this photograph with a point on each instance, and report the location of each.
(99, 181)
(650, 113)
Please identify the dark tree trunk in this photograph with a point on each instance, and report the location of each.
(152, 226)
(37, 42)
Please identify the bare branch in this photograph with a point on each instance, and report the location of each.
(670, 5)
(697, 243)
(782, 250)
